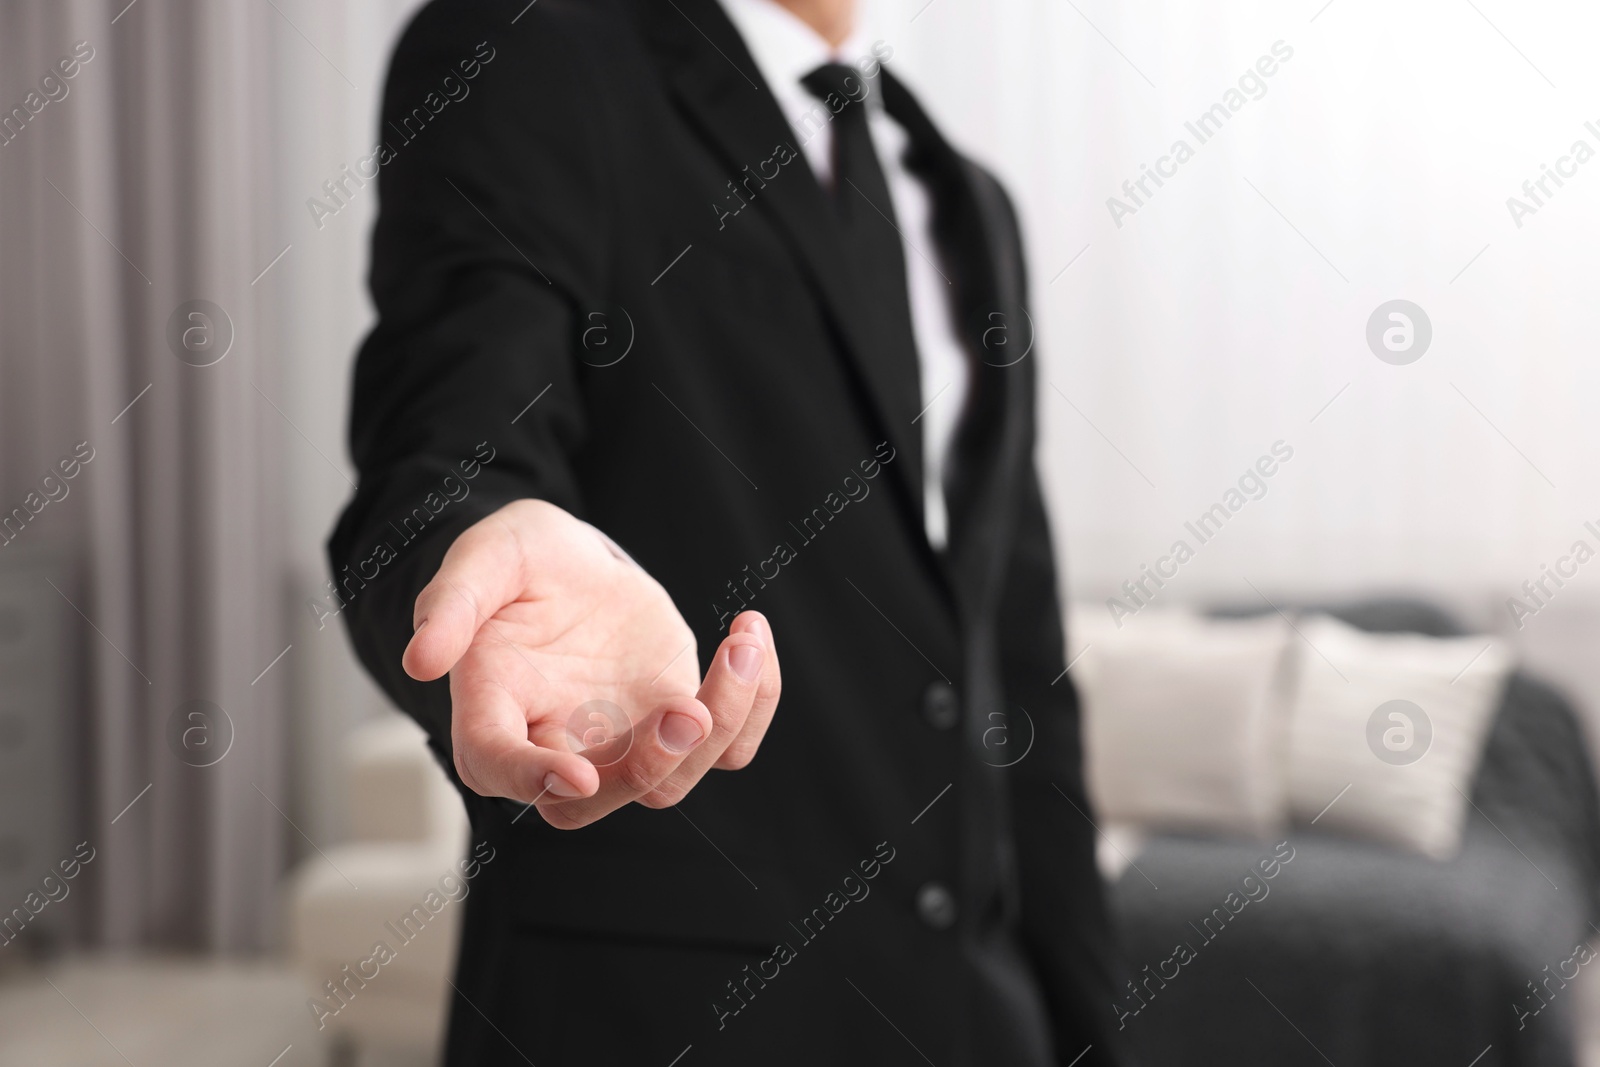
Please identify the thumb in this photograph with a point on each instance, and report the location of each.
(480, 574)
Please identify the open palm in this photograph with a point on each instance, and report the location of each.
(574, 680)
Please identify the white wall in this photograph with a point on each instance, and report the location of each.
(1205, 327)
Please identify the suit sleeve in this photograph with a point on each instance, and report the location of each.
(1066, 925)
(490, 238)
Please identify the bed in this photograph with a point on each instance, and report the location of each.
(1358, 954)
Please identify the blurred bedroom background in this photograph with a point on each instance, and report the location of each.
(1340, 345)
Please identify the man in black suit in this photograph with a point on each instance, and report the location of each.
(696, 339)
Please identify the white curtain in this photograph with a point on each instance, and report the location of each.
(171, 166)
(124, 198)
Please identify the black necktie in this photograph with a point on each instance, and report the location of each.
(868, 226)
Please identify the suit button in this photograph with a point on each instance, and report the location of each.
(936, 906)
(940, 705)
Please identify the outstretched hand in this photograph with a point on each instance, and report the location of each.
(574, 682)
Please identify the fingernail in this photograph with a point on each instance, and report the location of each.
(556, 785)
(679, 733)
(758, 627)
(418, 627)
(746, 661)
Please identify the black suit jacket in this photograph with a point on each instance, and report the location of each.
(571, 309)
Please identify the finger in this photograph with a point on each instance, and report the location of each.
(655, 747)
(743, 749)
(728, 692)
(480, 574)
(493, 756)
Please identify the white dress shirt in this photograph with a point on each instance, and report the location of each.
(786, 50)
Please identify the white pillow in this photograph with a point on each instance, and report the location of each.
(1389, 729)
(1182, 723)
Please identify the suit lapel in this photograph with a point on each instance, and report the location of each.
(994, 431)
(709, 69)
(993, 443)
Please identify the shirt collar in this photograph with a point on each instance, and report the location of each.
(785, 48)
